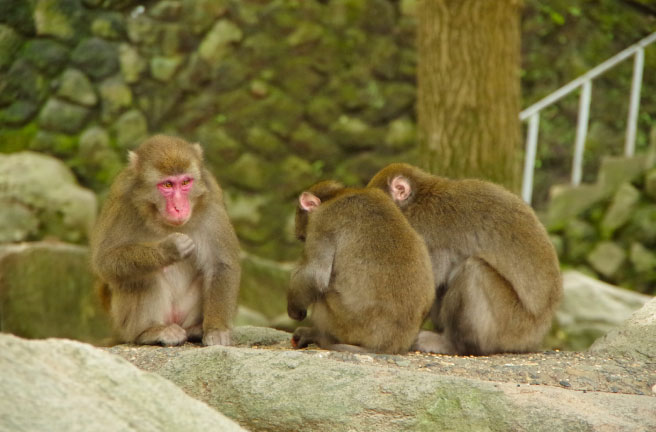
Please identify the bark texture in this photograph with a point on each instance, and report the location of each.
(469, 88)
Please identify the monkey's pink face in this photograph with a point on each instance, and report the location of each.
(175, 190)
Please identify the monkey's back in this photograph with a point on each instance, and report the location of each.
(481, 219)
(381, 285)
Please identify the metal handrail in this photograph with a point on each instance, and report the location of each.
(532, 113)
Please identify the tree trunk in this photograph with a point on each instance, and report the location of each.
(469, 89)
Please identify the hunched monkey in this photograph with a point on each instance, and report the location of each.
(364, 269)
(164, 251)
(496, 272)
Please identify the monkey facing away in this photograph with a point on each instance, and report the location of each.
(496, 272)
(364, 269)
(164, 251)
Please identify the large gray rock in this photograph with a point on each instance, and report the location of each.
(45, 192)
(282, 390)
(46, 290)
(591, 308)
(635, 338)
(59, 385)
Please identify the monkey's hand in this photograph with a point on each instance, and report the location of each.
(216, 337)
(178, 246)
(295, 312)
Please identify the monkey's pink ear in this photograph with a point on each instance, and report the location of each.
(400, 188)
(133, 159)
(309, 201)
(199, 150)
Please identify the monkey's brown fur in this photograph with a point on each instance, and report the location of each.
(496, 272)
(163, 283)
(365, 270)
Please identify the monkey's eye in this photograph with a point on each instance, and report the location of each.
(167, 184)
(186, 181)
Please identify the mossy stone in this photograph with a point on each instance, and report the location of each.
(642, 259)
(115, 97)
(57, 18)
(96, 57)
(314, 145)
(201, 14)
(101, 163)
(18, 113)
(58, 144)
(10, 42)
(19, 15)
(220, 148)
(607, 258)
(22, 82)
(60, 116)
(75, 87)
(166, 10)
(109, 25)
(131, 128)
(621, 208)
(164, 68)
(142, 30)
(323, 111)
(249, 172)
(265, 142)
(46, 55)
(217, 41)
(401, 134)
(131, 62)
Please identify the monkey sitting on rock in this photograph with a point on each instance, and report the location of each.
(496, 272)
(364, 269)
(164, 251)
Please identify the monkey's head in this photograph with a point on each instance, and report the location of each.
(309, 200)
(400, 181)
(167, 175)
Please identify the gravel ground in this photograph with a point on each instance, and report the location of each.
(570, 370)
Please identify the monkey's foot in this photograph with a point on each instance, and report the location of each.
(195, 333)
(171, 334)
(216, 337)
(303, 336)
(431, 342)
(347, 348)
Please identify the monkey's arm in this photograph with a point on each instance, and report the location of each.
(132, 261)
(311, 278)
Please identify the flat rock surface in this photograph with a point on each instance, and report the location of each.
(568, 370)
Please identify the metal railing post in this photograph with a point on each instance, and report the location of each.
(529, 157)
(585, 83)
(634, 104)
(581, 132)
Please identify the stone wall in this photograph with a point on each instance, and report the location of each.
(608, 229)
(280, 93)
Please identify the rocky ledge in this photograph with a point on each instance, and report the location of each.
(262, 384)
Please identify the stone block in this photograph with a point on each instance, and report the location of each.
(643, 259)
(607, 258)
(46, 290)
(621, 209)
(591, 308)
(46, 187)
(74, 387)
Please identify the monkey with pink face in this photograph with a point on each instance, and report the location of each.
(164, 251)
